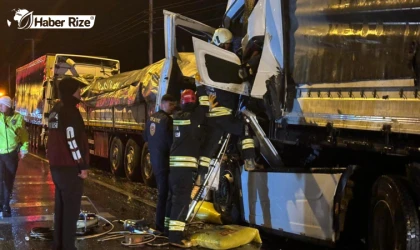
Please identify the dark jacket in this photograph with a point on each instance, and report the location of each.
(226, 100)
(158, 134)
(185, 148)
(67, 140)
(223, 116)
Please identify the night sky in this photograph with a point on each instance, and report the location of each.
(120, 30)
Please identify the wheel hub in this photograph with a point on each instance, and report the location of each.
(223, 193)
(130, 157)
(148, 167)
(115, 152)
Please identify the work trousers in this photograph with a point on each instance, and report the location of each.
(163, 189)
(209, 149)
(8, 167)
(160, 166)
(228, 123)
(68, 196)
(179, 198)
(234, 126)
(214, 131)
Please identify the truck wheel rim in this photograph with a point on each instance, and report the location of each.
(223, 197)
(115, 152)
(130, 157)
(148, 167)
(45, 141)
(383, 227)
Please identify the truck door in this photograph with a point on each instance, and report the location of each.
(176, 54)
(219, 68)
(264, 24)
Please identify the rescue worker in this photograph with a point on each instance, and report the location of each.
(68, 154)
(14, 140)
(222, 119)
(183, 160)
(159, 135)
(222, 38)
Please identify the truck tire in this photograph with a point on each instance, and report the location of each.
(38, 137)
(223, 197)
(394, 221)
(45, 140)
(146, 167)
(116, 157)
(31, 135)
(132, 161)
(46, 143)
(226, 198)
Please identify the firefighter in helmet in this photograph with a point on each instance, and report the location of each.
(223, 38)
(183, 161)
(221, 119)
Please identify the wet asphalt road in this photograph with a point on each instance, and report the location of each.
(115, 198)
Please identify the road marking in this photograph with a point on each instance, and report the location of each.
(39, 157)
(40, 204)
(31, 176)
(35, 218)
(32, 204)
(118, 190)
(121, 191)
(34, 183)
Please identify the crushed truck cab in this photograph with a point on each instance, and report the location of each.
(332, 89)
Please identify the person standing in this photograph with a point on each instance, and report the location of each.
(222, 119)
(68, 154)
(14, 140)
(158, 134)
(184, 160)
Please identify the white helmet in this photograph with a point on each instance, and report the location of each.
(221, 35)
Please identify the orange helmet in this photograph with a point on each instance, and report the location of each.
(188, 96)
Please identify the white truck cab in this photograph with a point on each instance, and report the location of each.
(339, 86)
(302, 204)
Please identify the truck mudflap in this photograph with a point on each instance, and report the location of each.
(267, 149)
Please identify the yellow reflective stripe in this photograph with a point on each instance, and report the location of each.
(216, 114)
(246, 146)
(176, 228)
(205, 103)
(247, 141)
(182, 122)
(204, 164)
(206, 159)
(216, 109)
(183, 158)
(203, 98)
(176, 223)
(219, 111)
(183, 164)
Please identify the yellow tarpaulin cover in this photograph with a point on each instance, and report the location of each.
(207, 213)
(226, 237)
